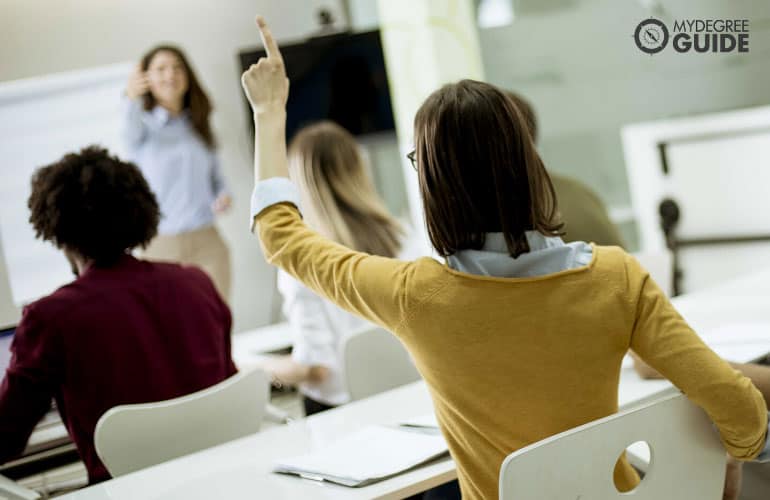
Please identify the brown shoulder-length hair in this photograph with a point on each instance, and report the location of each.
(479, 171)
(195, 99)
(337, 194)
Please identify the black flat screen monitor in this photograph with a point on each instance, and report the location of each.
(338, 77)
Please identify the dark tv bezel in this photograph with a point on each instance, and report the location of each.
(247, 57)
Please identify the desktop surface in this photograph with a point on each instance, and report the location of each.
(241, 467)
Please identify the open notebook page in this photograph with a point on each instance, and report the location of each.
(367, 456)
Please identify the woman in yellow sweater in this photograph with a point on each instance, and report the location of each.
(518, 335)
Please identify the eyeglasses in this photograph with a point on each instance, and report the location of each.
(411, 158)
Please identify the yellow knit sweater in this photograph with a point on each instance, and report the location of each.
(510, 361)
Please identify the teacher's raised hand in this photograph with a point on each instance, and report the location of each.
(267, 89)
(265, 82)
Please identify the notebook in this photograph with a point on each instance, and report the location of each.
(370, 455)
(427, 421)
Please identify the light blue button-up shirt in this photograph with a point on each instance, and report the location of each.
(180, 168)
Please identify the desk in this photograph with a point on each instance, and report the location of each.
(242, 468)
(248, 347)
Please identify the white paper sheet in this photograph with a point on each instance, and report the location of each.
(369, 455)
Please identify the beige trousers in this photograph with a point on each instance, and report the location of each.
(203, 248)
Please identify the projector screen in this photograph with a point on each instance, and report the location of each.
(40, 120)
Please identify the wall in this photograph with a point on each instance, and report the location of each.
(577, 63)
(41, 37)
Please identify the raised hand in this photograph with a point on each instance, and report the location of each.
(265, 82)
(267, 89)
(138, 84)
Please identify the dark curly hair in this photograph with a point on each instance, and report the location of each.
(94, 204)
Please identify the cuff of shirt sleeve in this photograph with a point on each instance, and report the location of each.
(764, 455)
(272, 191)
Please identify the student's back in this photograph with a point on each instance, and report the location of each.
(136, 332)
(125, 330)
(507, 361)
(340, 201)
(510, 361)
(530, 357)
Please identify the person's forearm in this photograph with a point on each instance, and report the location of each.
(759, 374)
(132, 127)
(288, 372)
(270, 144)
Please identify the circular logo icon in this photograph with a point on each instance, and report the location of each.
(651, 36)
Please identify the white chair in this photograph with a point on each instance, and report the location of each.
(688, 460)
(375, 361)
(9, 490)
(660, 265)
(132, 437)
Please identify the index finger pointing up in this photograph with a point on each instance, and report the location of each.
(271, 47)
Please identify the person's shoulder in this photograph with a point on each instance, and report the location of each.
(176, 271)
(53, 308)
(568, 181)
(619, 265)
(572, 187)
(424, 272)
(610, 256)
(61, 299)
(190, 282)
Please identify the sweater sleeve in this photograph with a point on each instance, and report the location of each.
(30, 383)
(664, 340)
(369, 286)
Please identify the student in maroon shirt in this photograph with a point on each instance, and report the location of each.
(126, 330)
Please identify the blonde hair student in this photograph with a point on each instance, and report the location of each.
(337, 192)
(518, 335)
(339, 201)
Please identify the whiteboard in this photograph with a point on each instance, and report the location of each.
(41, 119)
(722, 184)
(716, 168)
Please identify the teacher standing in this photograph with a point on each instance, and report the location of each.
(167, 133)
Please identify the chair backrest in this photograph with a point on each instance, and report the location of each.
(375, 361)
(660, 265)
(132, 437)
(688, 460)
